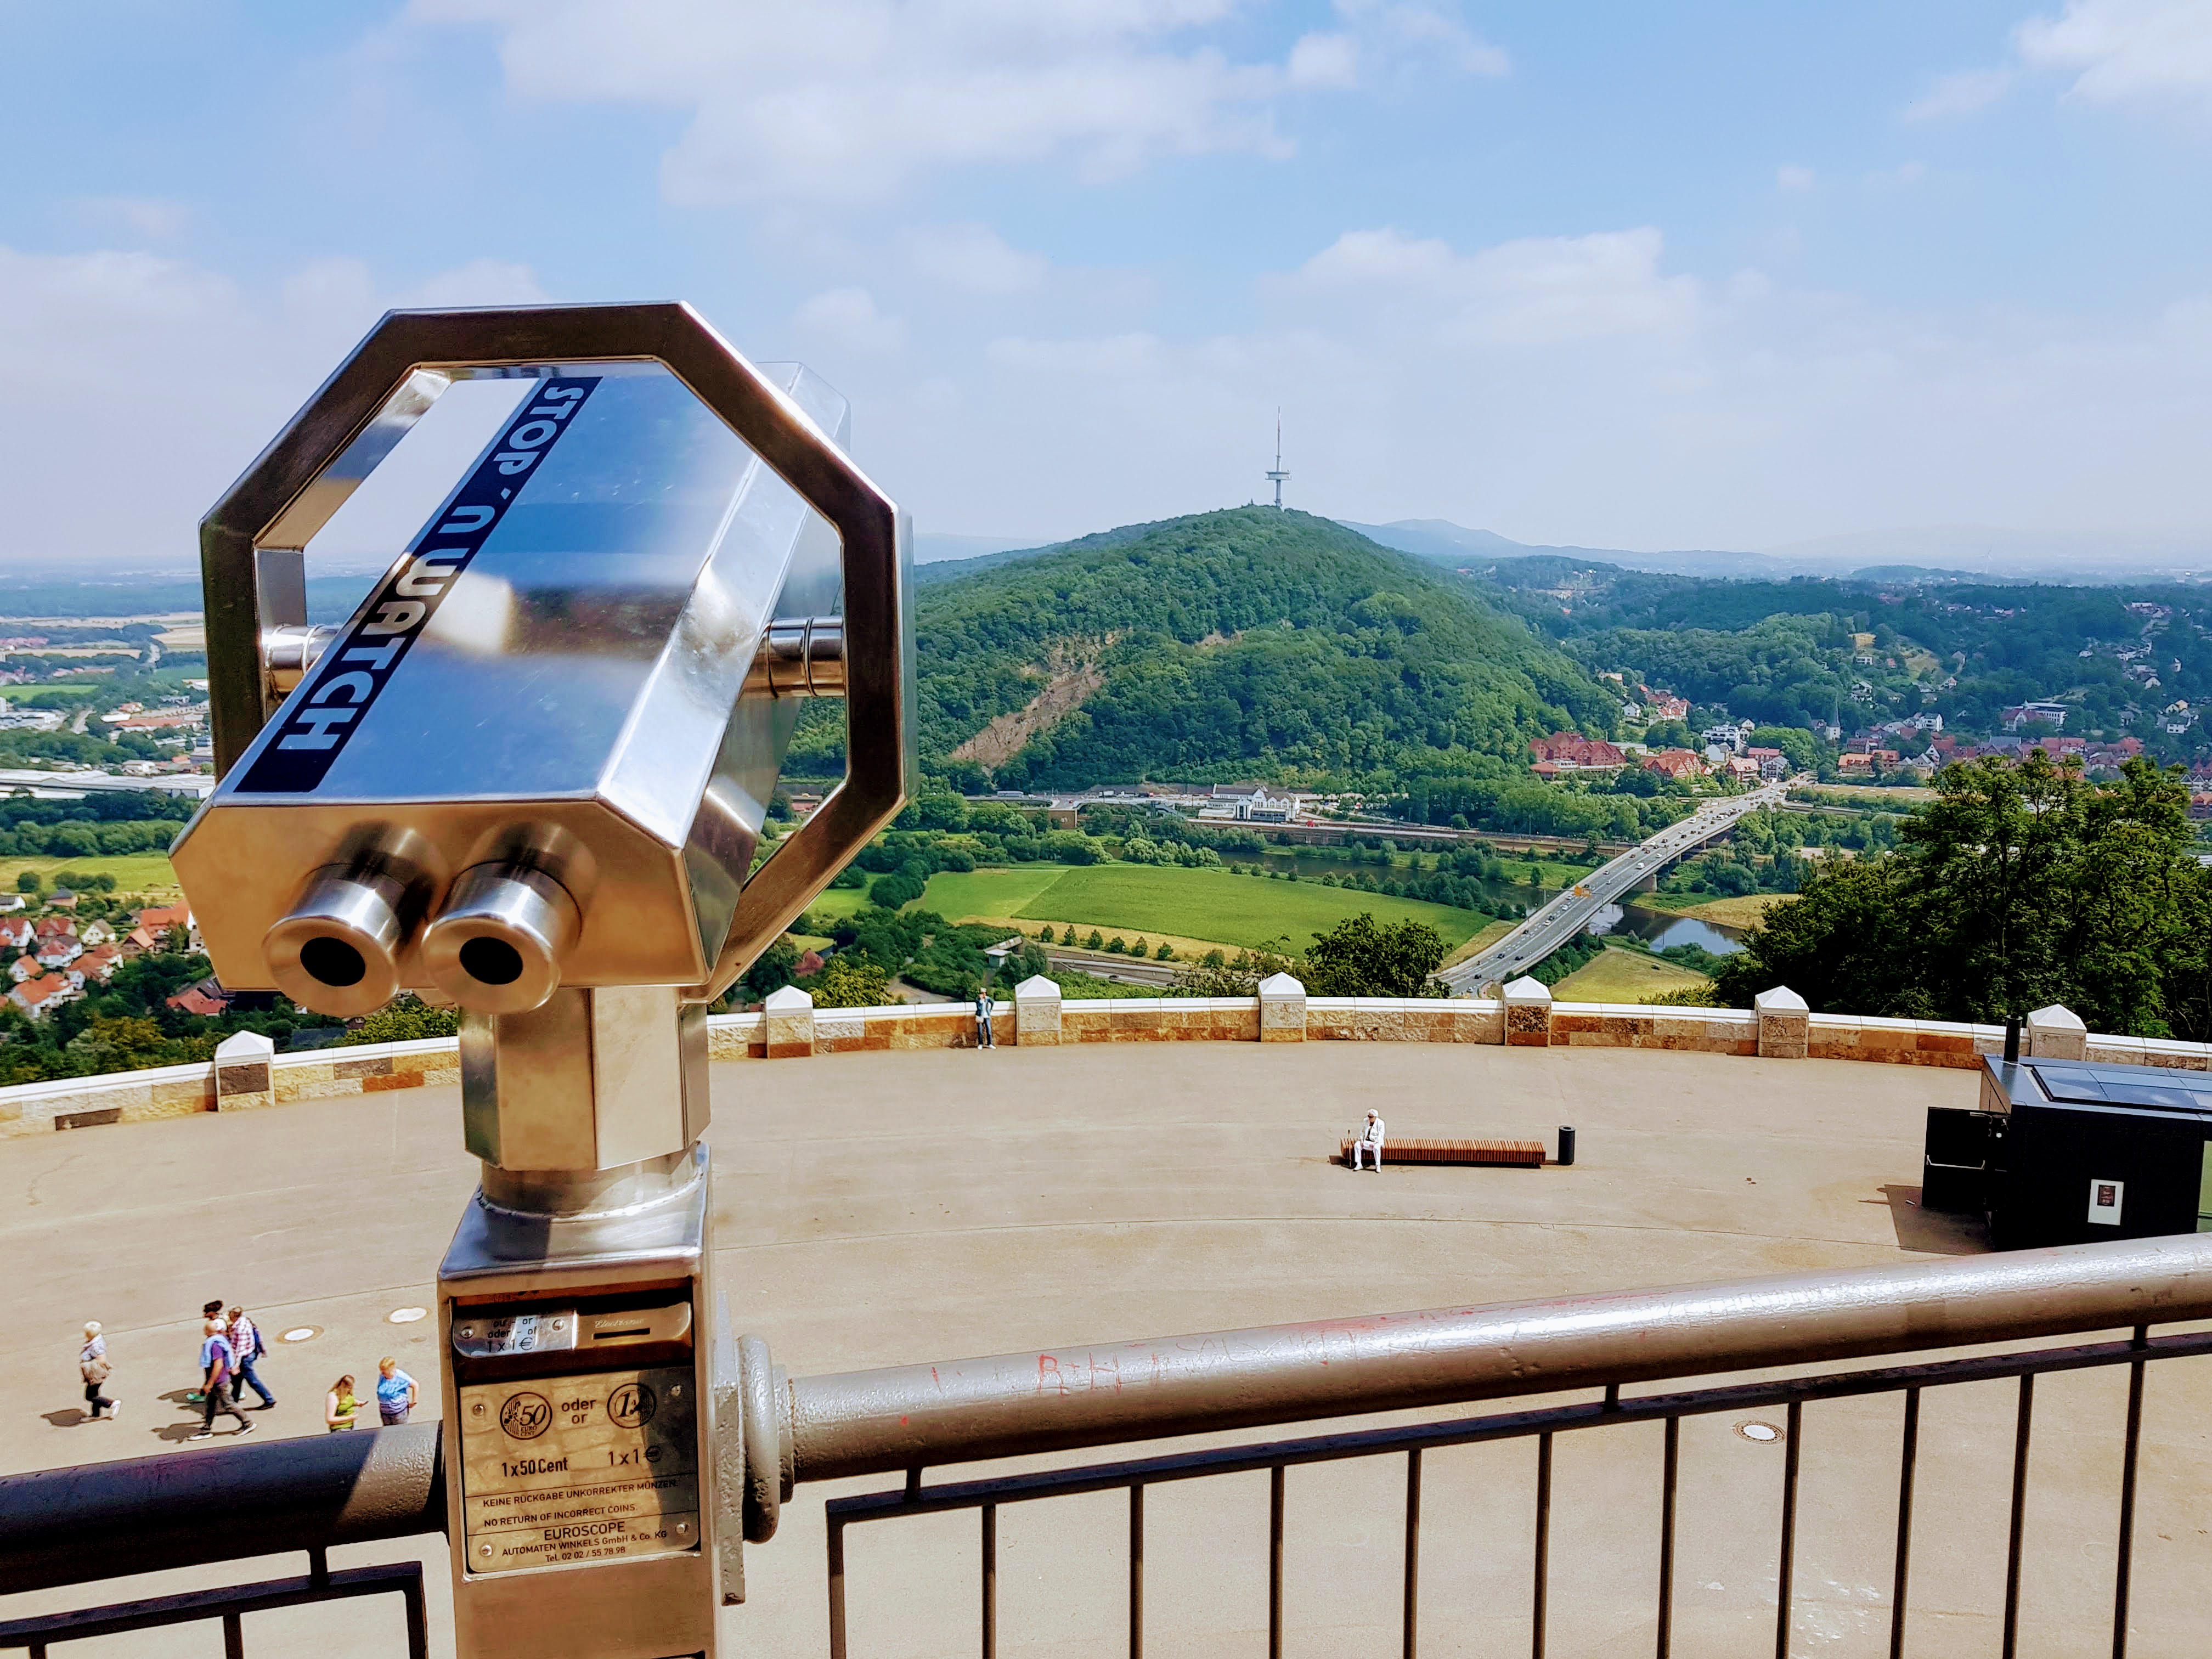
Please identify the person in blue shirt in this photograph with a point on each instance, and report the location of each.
(985, 1007)
(395, 1392)
(217, 1365)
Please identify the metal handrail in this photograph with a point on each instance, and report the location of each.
(70, 1525)
(150, 1514)
(1054, 1399)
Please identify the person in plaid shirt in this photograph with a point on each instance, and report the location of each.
(247, 1345)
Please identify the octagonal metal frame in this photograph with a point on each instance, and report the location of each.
(358, 415)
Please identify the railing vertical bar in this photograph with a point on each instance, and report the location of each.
(2019, 1440)
(1275, 1562)
(418, 1619)
(1136, 1569)
(2128, 1504)
(1543, 1542)
(1666, 1536)
(233, 1637)
(1908, 1456)
(319, 1566)
(1413, 1548)
(1784, 1587)
(990, 1581)
(836, 1589)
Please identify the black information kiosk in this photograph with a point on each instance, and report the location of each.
(2066, 1152)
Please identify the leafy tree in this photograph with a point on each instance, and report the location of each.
(29, 881)
(1359, 958)
(1796, 745)
(849, 982)
(2023, 885)
(771, 970)
(1116, 945)
(1096, 942)
(1165, 953)
(405, 1019)
(1067, 934)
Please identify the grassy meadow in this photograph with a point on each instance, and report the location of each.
(1618, 975)
(135, 872)
(1199, 908)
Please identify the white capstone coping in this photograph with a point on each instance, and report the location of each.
(1037, 988)
(244, 1046)
(1779, 999)
(789, 999)
(2056, 1033)
(1525, 992)
(1280, 985)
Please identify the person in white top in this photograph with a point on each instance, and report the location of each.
(1371, 1141)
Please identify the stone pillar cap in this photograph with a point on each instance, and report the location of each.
(1779, 999)
(1281, 985)
(788, 1000)
(244, 1045)
(1035, 986)
(1525, 990)
(2056, 1017)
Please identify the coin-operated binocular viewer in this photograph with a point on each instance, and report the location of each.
(528, 777)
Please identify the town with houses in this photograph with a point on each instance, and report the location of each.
(50, 958)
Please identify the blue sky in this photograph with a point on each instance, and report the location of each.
(1625, 275)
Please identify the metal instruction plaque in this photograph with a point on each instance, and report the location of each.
(561, 1469)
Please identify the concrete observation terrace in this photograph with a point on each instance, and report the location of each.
(893, 1205)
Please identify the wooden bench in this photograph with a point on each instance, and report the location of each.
(1516, 1154)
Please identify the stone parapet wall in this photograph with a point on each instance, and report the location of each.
(793, 1029)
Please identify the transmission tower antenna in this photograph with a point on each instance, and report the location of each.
(1277, 476)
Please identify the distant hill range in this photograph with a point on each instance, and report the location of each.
(1937, 552)
(1248, 642)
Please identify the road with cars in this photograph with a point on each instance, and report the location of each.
(1559, 920)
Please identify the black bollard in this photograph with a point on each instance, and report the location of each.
(2012, 1040)
(1566, 1145)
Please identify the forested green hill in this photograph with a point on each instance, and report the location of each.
(1248, 643)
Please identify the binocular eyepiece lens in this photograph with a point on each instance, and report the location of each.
(491, 961)
(497, 947)
(333, 963)
(337, 951)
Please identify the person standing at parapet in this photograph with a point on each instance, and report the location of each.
(984, 1009)
(246, 1344)
(1369, 1140)
(217, 1364)
(92, 1365)
(395, 1392)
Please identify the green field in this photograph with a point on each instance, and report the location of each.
(1618, 975)
(1164, 901)
(135, 872)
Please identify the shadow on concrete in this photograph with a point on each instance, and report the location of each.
(68, 1417)
(1932, 1232)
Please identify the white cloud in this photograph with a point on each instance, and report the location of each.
(1961, 94)
(1573, 389)
(1406, 28)
(1324, 60)
(974, 259)
(148, 218)
(144, 386)
(847, 318)
(2126, 50)
(1539, 290)
(1793, 177)
(848, 100)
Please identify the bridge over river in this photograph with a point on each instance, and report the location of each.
(1566, 915)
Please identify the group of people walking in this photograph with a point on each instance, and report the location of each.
(231, 1345)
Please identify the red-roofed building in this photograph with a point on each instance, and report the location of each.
(40, 997)
(206, 999)
(1674, 764)
(1571, 750)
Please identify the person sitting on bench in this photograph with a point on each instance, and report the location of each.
(1371, 1137)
